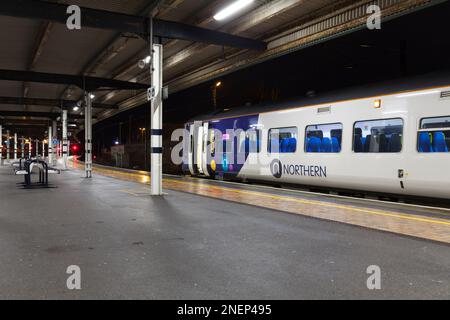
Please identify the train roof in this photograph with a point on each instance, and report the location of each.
(430, 80)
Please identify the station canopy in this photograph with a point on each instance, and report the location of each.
(33, 44)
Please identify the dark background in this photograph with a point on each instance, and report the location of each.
(410, 45)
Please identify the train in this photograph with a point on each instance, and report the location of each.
(390, 138)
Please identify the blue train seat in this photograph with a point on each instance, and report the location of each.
(292, 145)
(308, 145)
(395, 143)
(358, 146)
(425, 142)
(439, 144)
(284, 145)
(315, 143)
(326, 145)
(335, 145)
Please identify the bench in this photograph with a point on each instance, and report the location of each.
(25, 168)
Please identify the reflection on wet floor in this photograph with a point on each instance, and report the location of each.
(410, 224)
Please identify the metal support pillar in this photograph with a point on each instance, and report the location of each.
(8, 141)
(29, 147)
(22, 147)
(64, 139)
(1, 145)
(54, 145)
(15, 146)
(156, 121)
(37, 149)
(88, 135)
(50, 143)
(43, 149)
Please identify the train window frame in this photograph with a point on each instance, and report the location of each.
(431, 130)
(317, 125)
(269, 146)
(373, 120)
(429, 118)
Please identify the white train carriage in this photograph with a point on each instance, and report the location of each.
(393, 143)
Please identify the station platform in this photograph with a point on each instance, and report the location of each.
(209, 240)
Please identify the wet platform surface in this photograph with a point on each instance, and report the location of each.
(186, 246)
(412, 220)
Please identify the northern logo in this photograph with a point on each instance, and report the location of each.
(276, 168)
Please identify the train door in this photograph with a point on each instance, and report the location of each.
(199, 138)
(204, 163)
(190, 156)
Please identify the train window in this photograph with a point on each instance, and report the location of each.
(283, 140)
(375, 136)
(252, 141)
(434, 135)
(435, 123)
(324, 138)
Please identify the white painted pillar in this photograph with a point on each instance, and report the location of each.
(64, 139)
(29, 147)
(156, 121)
(88, 135)
(43, 149)
(22, 146)
(37, 149)
(50, 145)
(7, 145)
(54, 146)
(15, 146)
(1, 144)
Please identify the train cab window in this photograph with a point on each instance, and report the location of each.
(324, 138)
(378, 136)
(283, 140)
(434, 135)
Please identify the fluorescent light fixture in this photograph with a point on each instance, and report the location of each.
(232, 9)
(413, 94)
(76, 108)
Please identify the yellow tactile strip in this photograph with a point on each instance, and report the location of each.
(391, 221)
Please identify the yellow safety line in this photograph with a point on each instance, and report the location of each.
(129, 192)
(324, 204)
(302, 201)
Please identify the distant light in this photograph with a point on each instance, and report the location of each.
(377, 104)
(76, 108)
(147, 59)
(92, 96)
(116, 143)
(218, 84)
(232, 9)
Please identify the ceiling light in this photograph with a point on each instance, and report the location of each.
(232, 9)
(92, 96)
(76, 108)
